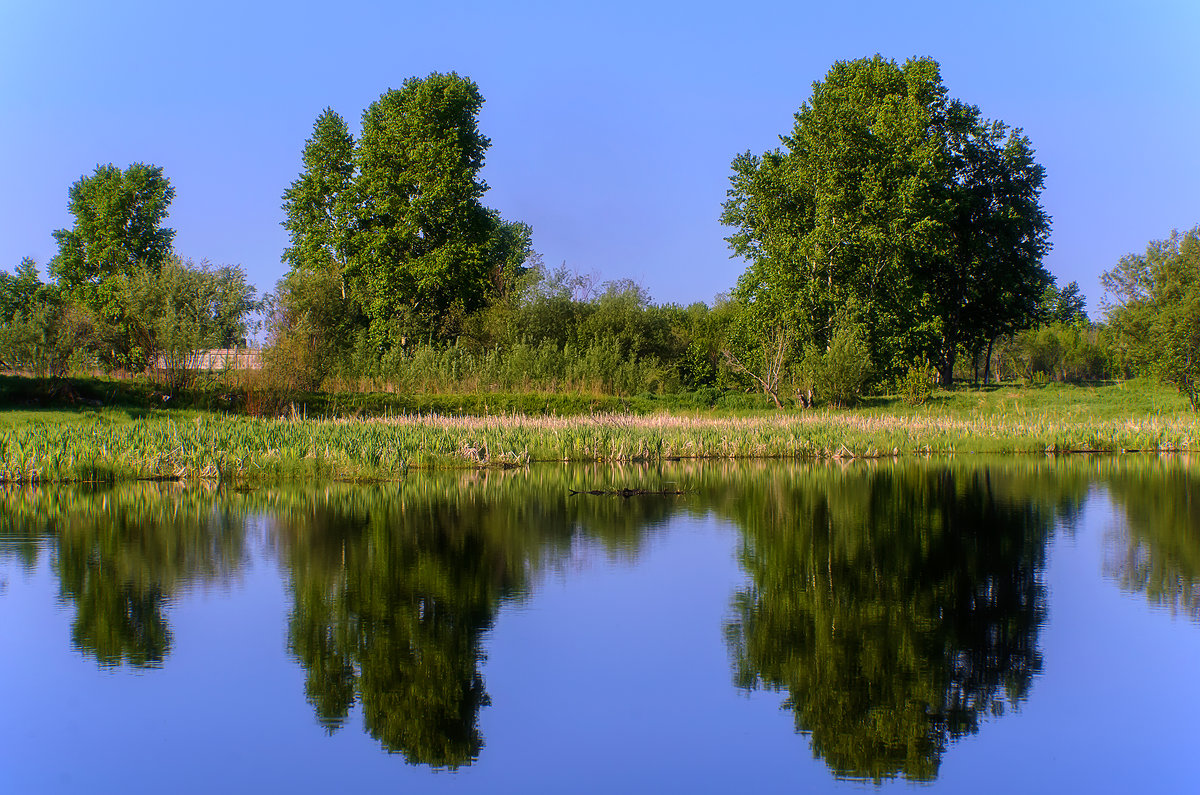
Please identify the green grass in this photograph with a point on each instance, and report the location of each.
(132, 442)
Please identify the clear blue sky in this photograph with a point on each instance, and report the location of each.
(612, 124)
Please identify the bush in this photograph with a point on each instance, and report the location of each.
(839, 375)
(916, 385)
(1061, 351)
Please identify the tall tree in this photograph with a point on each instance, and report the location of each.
(991, 280)
(427, 251)
(318, 205)
(118, 227)
(898, 201)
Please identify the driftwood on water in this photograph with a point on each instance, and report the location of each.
(629, 492)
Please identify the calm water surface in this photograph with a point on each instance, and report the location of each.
(1007, 625)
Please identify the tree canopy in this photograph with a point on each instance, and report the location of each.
(118, 226)
(898, 203)
(1154, 311)
(397, 215)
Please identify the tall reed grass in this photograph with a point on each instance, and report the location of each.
(601, 367)
(108, 446)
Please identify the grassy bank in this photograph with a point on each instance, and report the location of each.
(105, 444)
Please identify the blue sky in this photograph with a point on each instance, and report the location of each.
(613, 125)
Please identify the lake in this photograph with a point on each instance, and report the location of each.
(967, 624)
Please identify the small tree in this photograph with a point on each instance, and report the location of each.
(202, 307)
(118, 236)
(759, 345)
(837, 375)
(1155, 312)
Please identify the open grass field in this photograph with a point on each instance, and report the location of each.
(106, 443)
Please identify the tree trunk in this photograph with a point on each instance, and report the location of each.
(987, 365)
(946, 368)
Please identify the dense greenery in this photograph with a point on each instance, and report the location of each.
(895, 239)
(896, 212)
(119, 298)
(1155, 317)
(389, 240)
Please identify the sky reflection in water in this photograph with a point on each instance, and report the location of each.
(991, 624)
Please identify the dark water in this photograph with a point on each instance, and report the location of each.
(972, 625)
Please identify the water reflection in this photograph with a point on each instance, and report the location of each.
(394, 588)
(1156, 550)
(897, 605)
(121, 555)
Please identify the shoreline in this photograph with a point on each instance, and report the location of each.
(108, 446)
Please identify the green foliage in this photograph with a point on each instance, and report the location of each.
(1060, 351)
(19, 291)
(1155, 316)
(423, 240)
(390, 229)
(838, 375)
(1064, 306)
(118, 229)
(163, 318)
(899, 199)
(318, 206)
(603, 366)
(197, 308)
(121, 295)
(41, 331)
(916, 386)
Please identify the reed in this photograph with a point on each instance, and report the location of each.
(107, 445)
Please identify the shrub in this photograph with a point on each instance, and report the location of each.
(839, 375)
(916, 385)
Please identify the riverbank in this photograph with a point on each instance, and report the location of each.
(99, 444)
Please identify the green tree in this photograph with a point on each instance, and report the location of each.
(41, 330)
(19, 290)
(118, 236)
(1062, 305)
(196, 307)
(991, 279)
(118, 227)
(894, 199)
(318, 206)
(1155, 311)
(426, 250)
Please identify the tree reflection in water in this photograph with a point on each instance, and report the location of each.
(121, 555)
(1156, 549)
(394, 588)
(897, 606)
